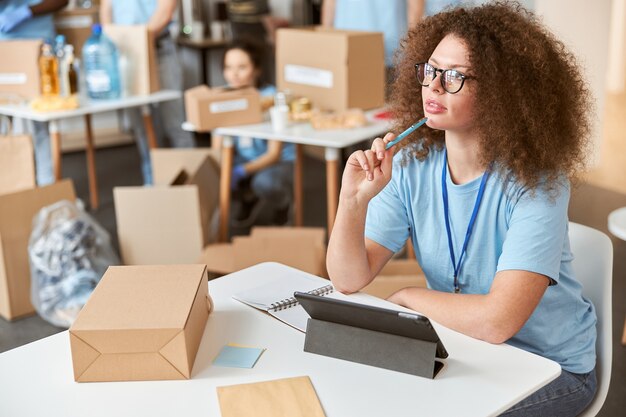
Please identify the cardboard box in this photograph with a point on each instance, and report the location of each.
(335, 69)
(170, 222)
(303, 248)
(17, 164)
(76, 25)
(208, 108)
(136, 44)
(397, 274)
(19, 68)
(141, 323)
(16, 216)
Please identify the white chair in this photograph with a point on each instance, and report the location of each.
(593, 266)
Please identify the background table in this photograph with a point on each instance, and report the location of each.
(479, 379)
(300, 134)
(86, 109)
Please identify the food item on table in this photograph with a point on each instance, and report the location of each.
(54, 103)
(301, 109)
(346, 119)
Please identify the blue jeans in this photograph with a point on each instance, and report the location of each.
(43, 154)
(167, 116)
(566, 396)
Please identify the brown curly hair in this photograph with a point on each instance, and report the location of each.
(532, 103)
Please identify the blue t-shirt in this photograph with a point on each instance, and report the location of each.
(37, 27)
(513, 230)
(389, 17)
(135, 12)
(249, 149)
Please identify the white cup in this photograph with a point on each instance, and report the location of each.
(217, 30)
(197, 31)
(279, 116)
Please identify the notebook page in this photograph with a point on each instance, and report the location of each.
(297, 317)
(281, 287)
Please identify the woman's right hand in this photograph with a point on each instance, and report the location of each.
(368, 172)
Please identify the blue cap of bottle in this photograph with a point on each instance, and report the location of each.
(96, 29)
(60, 39)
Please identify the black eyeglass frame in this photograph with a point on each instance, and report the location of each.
(441, 73)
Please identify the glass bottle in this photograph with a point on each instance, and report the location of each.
(48, 71)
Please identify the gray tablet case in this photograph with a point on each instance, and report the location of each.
(372, 336)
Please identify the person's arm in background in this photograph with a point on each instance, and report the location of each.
(328, 13)
(269, 158)
(9, 20)
(414, 12)
(161, 16)
(106, 14)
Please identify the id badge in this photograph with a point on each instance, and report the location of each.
(245, 142)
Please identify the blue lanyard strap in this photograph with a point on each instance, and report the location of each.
(479, 197)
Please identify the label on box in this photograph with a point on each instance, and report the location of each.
(12, 78)
(228, 105)
(73, 22)
(316, 77)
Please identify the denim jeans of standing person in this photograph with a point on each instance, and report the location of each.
(168, 116)
(566, 396)
(43, 154)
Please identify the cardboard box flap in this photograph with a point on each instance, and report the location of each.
(314, 233)
(85, 357)
(167, 163)
(130, 367)
(174, 353)
(146, 297)
(220, 257)
(117, 340)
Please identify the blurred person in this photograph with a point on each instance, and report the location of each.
(32, 19)
(157, 15)
(262, 178)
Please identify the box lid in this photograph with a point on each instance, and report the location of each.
(142, 298)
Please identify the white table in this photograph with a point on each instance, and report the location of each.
(617, 227)
(479, 379)
(300, 134)
(86, 109)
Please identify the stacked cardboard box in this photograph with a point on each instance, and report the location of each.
(335, 69)
(208, 108)
(76, 25)
(19, 68)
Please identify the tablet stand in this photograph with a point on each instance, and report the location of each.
(369, 347)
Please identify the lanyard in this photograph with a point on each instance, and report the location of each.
(479, 197)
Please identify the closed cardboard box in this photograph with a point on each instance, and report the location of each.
(170, 222)
(303, 248)
(75, 24)
(208, 108)
(141, 323)
(137, 46)
(335, 69)
(17, 163)
(19, 68)
(16, 217)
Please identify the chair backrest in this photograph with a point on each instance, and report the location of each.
(593, 266)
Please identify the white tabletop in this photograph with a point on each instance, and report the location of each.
(24, 111)
(617, 223)
(303, 132)
(479, 379)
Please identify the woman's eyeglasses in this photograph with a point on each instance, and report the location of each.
(451, 80)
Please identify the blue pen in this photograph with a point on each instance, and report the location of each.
(406, 132)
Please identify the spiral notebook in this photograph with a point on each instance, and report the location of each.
(277, 298)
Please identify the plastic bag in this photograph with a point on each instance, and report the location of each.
(68, 252)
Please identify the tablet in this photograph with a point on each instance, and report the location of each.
(379, 319)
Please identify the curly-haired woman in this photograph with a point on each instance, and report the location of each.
(482, 192)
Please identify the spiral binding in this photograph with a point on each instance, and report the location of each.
(291, 301)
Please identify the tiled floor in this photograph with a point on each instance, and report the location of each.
(119, 166)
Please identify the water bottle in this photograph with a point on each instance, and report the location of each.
(100, 65)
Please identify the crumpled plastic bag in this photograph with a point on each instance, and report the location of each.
(68, 253)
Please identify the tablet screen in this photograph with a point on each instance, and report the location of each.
(379, 319)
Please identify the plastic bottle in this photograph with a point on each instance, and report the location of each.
(72, 73)
(59, 52)
(279, 114)
(48, 71)
(100, 64)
